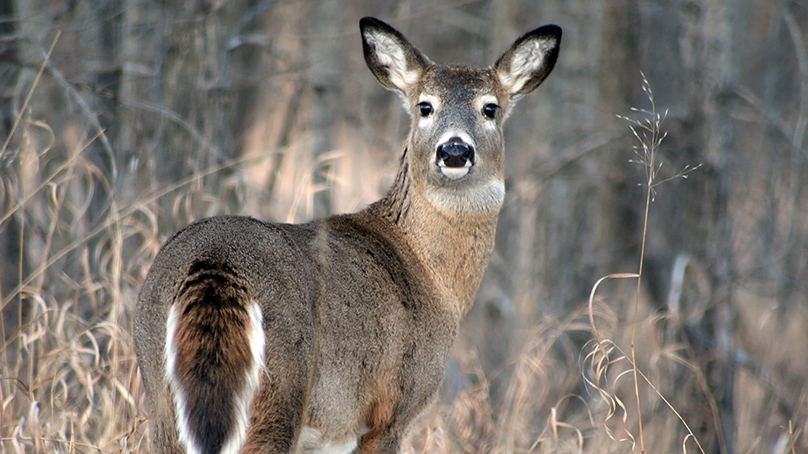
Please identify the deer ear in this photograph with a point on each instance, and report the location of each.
(393, 60)
(529, 61)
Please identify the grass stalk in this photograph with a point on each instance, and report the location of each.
(647, 129)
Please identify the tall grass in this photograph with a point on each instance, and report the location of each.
(647, 129)
(69, 381)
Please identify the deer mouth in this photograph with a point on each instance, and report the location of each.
(454, 158)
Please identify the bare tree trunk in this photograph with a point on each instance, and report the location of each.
(11, 264)
(182, 109)
(720, 320)
(325, 68)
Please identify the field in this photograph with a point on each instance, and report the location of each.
(648, 292)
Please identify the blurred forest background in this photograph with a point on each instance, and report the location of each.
(123, 120)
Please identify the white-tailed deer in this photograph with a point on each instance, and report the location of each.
(332, 336)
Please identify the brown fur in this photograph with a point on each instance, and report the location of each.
(212, 345)
(359, 311)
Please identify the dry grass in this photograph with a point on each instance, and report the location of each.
(69, 382)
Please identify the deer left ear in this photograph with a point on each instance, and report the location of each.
(393, 60)
(529, 61)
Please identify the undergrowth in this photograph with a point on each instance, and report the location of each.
(69, 381)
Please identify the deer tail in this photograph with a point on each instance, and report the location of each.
(214, 354)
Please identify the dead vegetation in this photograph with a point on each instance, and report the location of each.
(633, 367)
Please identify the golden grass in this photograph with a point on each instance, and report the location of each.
(69, 381)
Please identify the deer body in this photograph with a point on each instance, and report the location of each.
(332, 336)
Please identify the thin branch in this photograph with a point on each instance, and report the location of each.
(19, 116)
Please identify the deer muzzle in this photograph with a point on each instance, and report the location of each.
(455, 158)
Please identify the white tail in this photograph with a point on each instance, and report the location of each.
(332, 336)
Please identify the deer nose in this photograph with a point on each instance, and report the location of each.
(455, 153)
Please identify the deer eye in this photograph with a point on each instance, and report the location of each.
(490, 111)
(425, 108)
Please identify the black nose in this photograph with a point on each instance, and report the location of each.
(455, 153)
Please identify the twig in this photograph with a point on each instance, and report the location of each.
(19, 116)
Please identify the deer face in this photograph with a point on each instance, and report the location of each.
(455, 148)
(455, 141)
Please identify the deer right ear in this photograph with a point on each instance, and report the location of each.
(393, 60)
(529, 61)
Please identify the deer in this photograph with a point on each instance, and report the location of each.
(332, 336)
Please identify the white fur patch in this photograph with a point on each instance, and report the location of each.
(311, 442)
(180, 407)
(242, 398)
(435, 101)
(486, 99)
(479, 198)
(454, 172)
(462, 135)
(255, 334)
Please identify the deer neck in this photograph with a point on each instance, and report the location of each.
(454, 246)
